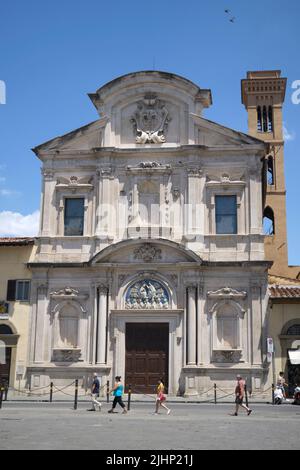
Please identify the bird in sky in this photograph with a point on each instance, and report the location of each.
(228, 12)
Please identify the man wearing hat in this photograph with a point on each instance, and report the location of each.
(239, 396)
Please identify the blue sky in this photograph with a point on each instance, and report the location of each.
(53, 53)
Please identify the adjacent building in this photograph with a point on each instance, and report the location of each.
(263, 95)
(15, 288)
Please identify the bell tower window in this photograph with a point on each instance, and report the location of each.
(270, 171)
(269, 221)
(259, 119)
(270, 119)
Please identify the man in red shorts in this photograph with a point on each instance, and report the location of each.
(239, 396)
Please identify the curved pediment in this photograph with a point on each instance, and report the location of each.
(146, 251)
(149, 107)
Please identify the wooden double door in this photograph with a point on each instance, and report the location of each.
(147, 356)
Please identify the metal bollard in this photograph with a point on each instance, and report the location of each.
(215, 393)
(76, 395)
(107, 391)
(273, 394)
(129, 397)
(246, 396)
(1, 397)
(5, 393)
(51, 392)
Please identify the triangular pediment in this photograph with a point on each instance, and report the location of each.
(82, 139)
(212, 134)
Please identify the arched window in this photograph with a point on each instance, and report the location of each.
(270, 171)
(294, 330)
(270, 119)
(265, 119)
(5, 330)
(269, 221)
(259, 119)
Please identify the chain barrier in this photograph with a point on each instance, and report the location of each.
(261, 393)
(30, 393)
(61, 390)
(203, 401)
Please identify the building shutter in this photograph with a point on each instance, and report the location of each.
(11, 290)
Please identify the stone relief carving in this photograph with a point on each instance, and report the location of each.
(147, 294)
(227, 293)
(147, 253)
(66, 355)
(227, 356)
(150, 121)
(74, 182)
(225, 180)
(150, 166)
(67, 291)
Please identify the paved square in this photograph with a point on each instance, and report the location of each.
(189, 426)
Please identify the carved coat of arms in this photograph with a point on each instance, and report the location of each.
(150, 121)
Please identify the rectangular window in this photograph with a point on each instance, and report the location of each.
(226, 215)
(22, 290)
(74, 216)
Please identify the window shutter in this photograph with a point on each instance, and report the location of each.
(11, 290)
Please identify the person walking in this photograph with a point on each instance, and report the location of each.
(239, 396)
(95, 391)
(160, 397)
(118, 392)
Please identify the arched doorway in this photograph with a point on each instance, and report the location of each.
(147, 344)
(290, 339)
(5, 355)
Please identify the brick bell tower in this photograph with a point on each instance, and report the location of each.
(263, 94)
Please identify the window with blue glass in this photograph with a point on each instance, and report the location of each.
(74, 216)
(226, 215)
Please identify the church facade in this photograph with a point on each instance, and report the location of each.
(150, 258)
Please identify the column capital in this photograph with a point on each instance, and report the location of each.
(189, 285)
(103, 288)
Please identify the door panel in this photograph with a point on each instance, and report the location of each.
(147, 356)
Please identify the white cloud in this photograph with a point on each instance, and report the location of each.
(13, 224)
(287, 135)
(9, 192)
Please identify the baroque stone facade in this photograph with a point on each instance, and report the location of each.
(151, 221)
